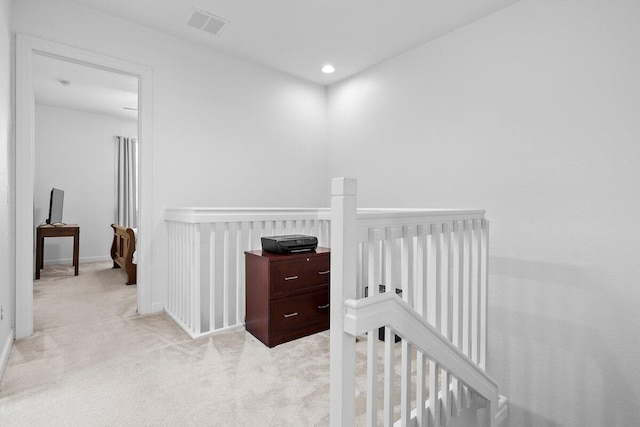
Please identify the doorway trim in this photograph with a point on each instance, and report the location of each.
(26, 48)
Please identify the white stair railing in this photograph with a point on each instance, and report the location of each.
(206, 259)
(389, 311)
(437, 260)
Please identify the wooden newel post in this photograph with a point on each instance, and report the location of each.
(343, 286)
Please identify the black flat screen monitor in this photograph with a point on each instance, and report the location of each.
(55, 206)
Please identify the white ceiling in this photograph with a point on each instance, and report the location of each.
(299, 36)
(296, 37)
(90, 89)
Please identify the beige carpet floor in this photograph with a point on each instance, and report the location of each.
(92, 361)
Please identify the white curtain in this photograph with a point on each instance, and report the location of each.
(127, 182)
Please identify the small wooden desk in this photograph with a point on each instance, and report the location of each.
(67, 230)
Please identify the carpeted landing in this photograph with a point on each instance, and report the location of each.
(93, 361)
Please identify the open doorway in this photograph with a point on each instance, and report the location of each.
(85, 156)
(28, 52)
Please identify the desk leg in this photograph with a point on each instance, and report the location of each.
(76, 250)
(39, 254)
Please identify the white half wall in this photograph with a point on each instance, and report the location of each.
(532, 114)
(75, 151)
(225, 132)
(7, 215)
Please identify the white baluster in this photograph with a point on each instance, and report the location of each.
(170, 267)
(468, 306)
(475, 341)
(434, 317)
(477, 225)
(189, 281)
(447, 315)
(405, 384)
(188, 278)
(191, 278)
(436, 303)
(213, 256)
(327, 233)
(389, 373)
(407, 278)
(256, 234)
(225, 277)
(196, 279)
(183, 256)
(268, 228)
(176, 269)
(390, 267)
(422, 275)
(232, 265)
(180, 271)
(485, 293)
(359, 274)
(240, 248)
(434, 402)
(372, 336)
(281, 227)
(315, 230)
(468, 300)
(458, 292)
(221, 235)
(408, 264)
(364, 269)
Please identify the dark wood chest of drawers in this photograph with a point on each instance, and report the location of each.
(287, 296)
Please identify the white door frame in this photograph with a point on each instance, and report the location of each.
(26, 47)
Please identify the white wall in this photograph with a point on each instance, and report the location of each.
(7, 217)
(75, 151)
(533, 114)
(225, 132)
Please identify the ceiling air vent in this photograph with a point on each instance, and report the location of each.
(207, 22)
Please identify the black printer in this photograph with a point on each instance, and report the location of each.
(289, 244)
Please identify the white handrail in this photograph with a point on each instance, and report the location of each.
(387, 309)
(229, 214)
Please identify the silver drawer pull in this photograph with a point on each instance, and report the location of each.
(290, 315)
(291, 278)
(324, 272)
(323, 306)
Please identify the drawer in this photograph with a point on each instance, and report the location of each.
(297, 274)
(296, 312)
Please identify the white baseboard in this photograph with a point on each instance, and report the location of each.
(202, 334)
(4, 356)
(51, 262)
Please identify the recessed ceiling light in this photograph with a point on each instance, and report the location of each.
(65, 82)
(328, 69)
